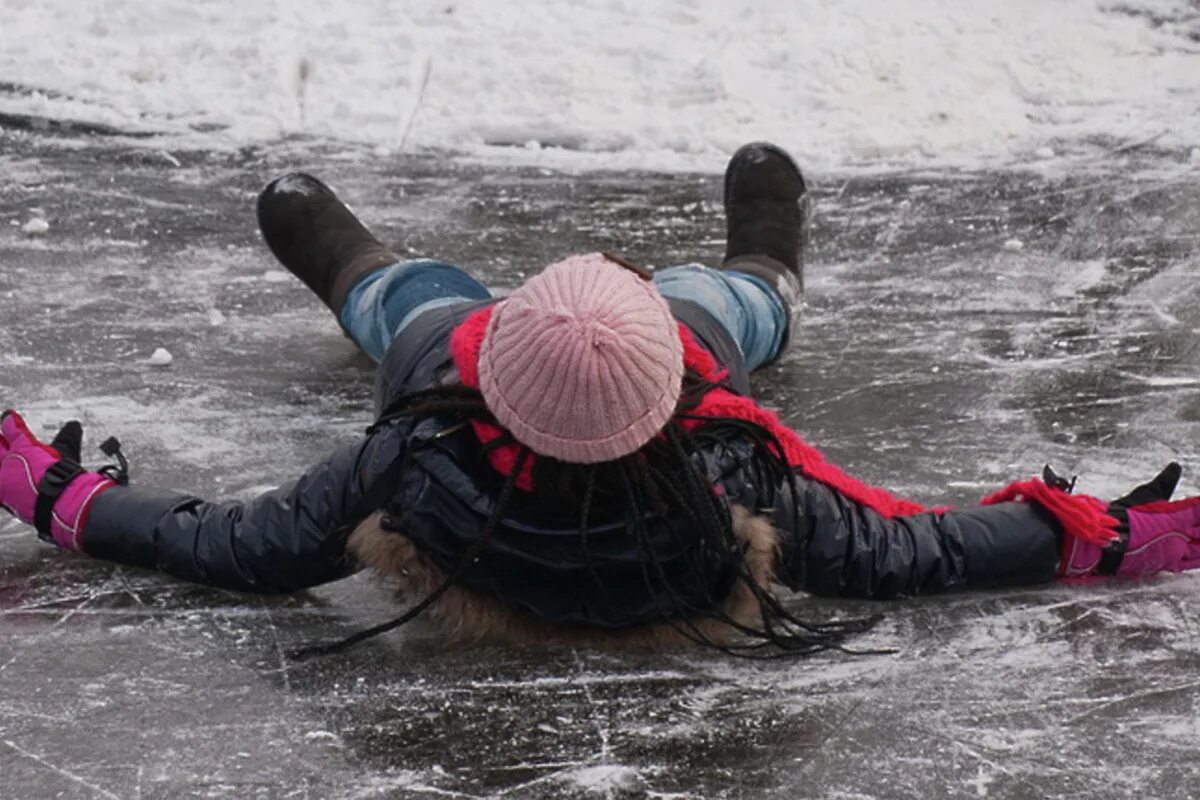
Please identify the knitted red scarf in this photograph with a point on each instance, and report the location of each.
(1081, 516)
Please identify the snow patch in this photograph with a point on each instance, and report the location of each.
(36, 226)
(604, 83)
(161, 357)
(603, 777)
(1165, 381)
(295, 184)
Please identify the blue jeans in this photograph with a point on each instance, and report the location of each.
(383, 303)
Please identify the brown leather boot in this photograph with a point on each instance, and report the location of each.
(318, 238)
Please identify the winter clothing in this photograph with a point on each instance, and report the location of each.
(466, 344)
(1163, 537)
(1082, 517)
(466, 614)
(828, 542)
(1153, 534)
(44, 486)
(383, 303)
(766, 216)
(318, 238)
(581, 362)
(753, 313)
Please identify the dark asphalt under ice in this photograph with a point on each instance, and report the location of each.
(933, 358)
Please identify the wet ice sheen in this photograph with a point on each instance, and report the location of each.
(117, 682)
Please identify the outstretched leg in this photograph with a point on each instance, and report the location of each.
(370, 290)
(757, 290)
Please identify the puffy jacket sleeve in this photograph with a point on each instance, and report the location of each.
(282, 541)
(832, 546)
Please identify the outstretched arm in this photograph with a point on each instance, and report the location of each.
(834, 546)
(282, 541)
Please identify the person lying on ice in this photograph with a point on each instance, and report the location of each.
(582, 459)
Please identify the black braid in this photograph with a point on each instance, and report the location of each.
(760, 593)
(464, 564)
(585, 509)
(637, 523)
(661, 478)
(769, 452)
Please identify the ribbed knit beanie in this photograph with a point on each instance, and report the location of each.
(583, 362)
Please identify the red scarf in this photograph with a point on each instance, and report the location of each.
(1080, 515)
(468, 337)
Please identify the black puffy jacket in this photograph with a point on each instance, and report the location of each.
(295, 537)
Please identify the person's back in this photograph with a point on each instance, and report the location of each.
(582, 460)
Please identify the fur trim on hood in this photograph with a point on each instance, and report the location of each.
(466, 615)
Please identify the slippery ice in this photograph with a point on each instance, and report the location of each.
(935, 357)
(928, 359)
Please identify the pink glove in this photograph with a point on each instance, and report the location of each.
(44, 485)
(1156, 534)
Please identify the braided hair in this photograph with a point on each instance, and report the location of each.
(661, 477)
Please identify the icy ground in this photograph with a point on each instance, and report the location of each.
(962, 329)
(669, 84)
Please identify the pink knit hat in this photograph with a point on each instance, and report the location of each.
(583, 362)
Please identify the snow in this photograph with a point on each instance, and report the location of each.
(36, 226)
(602, 778)
(161, 357)
(293, 184)
(1167, 381)
(676, 84)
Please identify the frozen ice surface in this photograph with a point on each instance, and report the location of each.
(1082, 349)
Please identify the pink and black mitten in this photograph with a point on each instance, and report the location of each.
(1154, 534)
(45, 486)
